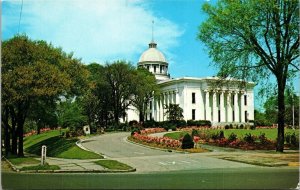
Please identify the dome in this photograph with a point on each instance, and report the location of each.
(152, 55)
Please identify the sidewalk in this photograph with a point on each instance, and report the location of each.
(69, 166)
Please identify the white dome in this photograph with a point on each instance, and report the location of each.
(152, 55)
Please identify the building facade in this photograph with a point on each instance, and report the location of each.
(220, 101)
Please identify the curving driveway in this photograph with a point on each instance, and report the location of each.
(144, 159)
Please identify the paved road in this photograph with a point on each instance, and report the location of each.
(247, 178)
(147, 160)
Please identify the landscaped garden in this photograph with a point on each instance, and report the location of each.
(257, 139)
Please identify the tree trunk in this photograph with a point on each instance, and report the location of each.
(14, 143)
(20, 135)
(281, 113)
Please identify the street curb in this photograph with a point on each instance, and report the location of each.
(155, 148)
(13, 167)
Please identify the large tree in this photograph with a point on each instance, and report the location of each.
(145, 89)
(119, 76)
(32, 71)
(255, 40)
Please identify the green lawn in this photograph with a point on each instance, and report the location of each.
(113, 164)
(57, 146)
(270, 133)
(23, 160)
(40, 167)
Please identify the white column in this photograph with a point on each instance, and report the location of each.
(229, 108)
(236, 108)
(177, 97)
(200, 103)
(157, 109)
(215, 107)
(152, 110)
(207, 107)
(161, 110)
(242, 107)
(222, 108)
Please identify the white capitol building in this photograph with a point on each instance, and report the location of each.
(220, 101)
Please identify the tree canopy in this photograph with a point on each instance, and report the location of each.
(254, 40)
(34, 71)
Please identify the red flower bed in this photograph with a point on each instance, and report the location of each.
(33, 132)
(162, 141)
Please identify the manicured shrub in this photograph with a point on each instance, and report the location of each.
(221, 135)
(287, 138)
(241, 126)
(135, 130)
(294, 140)
(249, 138)
(187, 142)
(226, 126)
(198, 123)
(262, 138)
(180, 123)
(149, 124)
(252, 127)
(195, 133)
(230, 126)
(133, 122)
(232, 137)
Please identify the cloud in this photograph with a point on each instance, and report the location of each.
(95, 30)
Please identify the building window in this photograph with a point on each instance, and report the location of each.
(148, 68)
(232, 99)
(219, 99)
(233, 119)
(193, 98)
(160, 69)
(246, 116)
(245, 100)
(151, 116)
(150, 105)
(154, 68)
(193, 114)
(219, 116)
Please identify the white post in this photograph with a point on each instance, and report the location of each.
(43, 155)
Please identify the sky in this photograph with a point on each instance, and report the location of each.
(107, 30)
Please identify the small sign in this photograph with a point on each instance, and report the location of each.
(43, 158)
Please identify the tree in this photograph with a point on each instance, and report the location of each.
(255, 39)
(96, 102)
(291, 101)
(70, 115)
(145, 89)
(119, 76)
(174, 112)
(31, 71)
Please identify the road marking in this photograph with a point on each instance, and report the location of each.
(185, 162)
(162, 163)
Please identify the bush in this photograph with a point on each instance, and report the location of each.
(172, 127)
(135, 130)
(187, 142)
(230, 126)
(198, 123)
(294, 140)
(221, 135)
(249, 138)
(226, 126)
(232, 137)
(195, 133)
(262, 138)
(252, 127)
(150, 124)
(241, 126)
(287, 138)
(180, 123)
(133, 122)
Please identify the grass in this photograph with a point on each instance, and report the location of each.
(270, 133)
(113, 164)
(57, 146)
(40, 167)
(22, 160)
